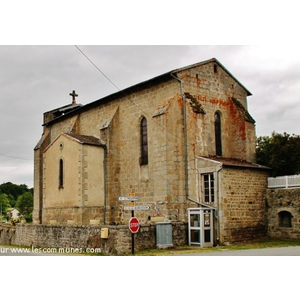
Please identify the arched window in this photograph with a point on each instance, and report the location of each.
(61, 173)
(218, 133)
(285, 219)
(144, 142)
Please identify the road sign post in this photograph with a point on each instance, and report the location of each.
(134, 224)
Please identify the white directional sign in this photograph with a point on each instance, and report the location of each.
(128, 198)
(137, 207)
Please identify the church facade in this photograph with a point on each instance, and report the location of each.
(180, 140)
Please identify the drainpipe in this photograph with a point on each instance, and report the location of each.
(105, 174)
(218, 201)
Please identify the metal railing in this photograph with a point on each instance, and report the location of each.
(284, 181)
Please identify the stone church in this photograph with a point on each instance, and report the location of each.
(181, 140)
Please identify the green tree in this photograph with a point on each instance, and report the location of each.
(12, 200)
(4, 204)
(25, 203)
(13, 191)
(281, 152)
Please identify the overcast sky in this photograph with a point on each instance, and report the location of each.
(35, 79)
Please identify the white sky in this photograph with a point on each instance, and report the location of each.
(35, 79)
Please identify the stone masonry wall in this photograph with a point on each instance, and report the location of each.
(283, 200)
(87, 236)
(242, 204)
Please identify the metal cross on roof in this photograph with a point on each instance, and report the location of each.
(73, 94)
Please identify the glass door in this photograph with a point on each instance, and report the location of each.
(194, 227)
(207, 227)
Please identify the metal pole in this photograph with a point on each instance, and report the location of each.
(132, 234)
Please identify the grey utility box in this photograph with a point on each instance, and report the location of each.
(164, 235)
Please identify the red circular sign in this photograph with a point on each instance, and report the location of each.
(134, 225)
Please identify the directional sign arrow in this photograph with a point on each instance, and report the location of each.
(128, 198)
(137, 207)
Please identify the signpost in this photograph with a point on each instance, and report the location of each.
(134, 224)
(134, 221)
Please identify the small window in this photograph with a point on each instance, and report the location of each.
(215, 68)
(218, 134)
(209, 187)
(285, 219)
(61, 173)
(144, 142)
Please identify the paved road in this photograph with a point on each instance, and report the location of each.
(282, 251)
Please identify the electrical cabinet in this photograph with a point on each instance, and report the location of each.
(164, 235)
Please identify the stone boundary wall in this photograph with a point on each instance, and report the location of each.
(283, 200)
(87, 236)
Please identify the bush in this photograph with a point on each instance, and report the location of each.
(14, 221)
(28, 218)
